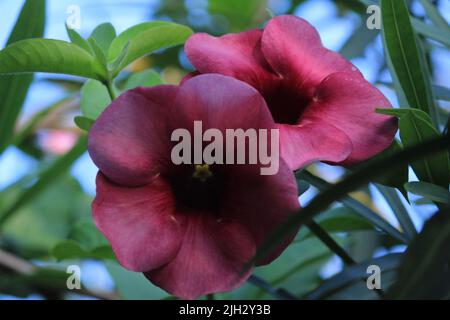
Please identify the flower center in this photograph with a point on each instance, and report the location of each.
(198, 187)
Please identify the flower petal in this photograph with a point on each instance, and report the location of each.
(261, 202)
(293, 49)
(348, 102)
(211, 259)
(237, 55)
(310, 142)
(126, 141)
(140, 223)
(220, 102)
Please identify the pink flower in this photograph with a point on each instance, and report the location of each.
(323, 106)
(190, 234)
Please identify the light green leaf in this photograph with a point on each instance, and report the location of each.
(146, 78)
(431, 31)
(121, 41)
(415, 127)
(75, 38)
(104, 35)
(45, 55)
(407, 59)
(94, 99)
(151, 40)
(429, 191)
(14, 88)
(435, 16)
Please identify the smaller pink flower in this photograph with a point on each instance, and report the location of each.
(190, 229)
(323, 106)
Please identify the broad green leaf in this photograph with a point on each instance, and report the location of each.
(156, 38)
(119, 43)
(405, 54)
(415, 127)
(429, 191)
(94, 99)
(83, 123)
(104, 35)
(146, 78)
(351, 283)
(75, 38)
(357, 206)
(424, 272)
(14, 88)
(71, 250)
(340, 190)
(53, 56)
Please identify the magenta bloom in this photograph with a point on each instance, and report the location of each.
(190, 235)
(323, 106)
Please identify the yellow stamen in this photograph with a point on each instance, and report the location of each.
(202, 172)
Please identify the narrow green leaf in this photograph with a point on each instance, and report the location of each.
(358, 207)
(415, 127)
(48, 176)
(153, 39)
(75, 38)
(430, 31)
(53, 56)
(94, 99)
(83, 123)
(407, 60)
(361, 37)
(125, 37)
(351, 282)
(429, 191)
(435, 16)
(442, 93)
(392, 198)
(104, 34)
(424, 272)
(338, 191)
(14, 88)
(146, 78)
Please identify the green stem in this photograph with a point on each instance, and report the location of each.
(110, 85)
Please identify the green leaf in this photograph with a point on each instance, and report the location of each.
(94, 99)
(392, 198)
(104, 35)
(355, 205)
(146, 78)
(442, 93)
(75, 38)
(14, 88)
(156, 38)
(406, 56)
(424, 272)
(415, 127)
(83, 123)
(361, 37)
(435, 16)
(53, 56)
(431, 32)
(351, 283)
(429, 191)
(133, 285)
(48, 176)
(119, 43)
(340, 190)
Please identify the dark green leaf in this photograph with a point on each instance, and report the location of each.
(406, 57)
(424, 272)
(429, 191)
(83, 123)
(415, 127)
(94, 99)
(14, 88)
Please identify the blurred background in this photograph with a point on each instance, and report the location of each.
(63, 208)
